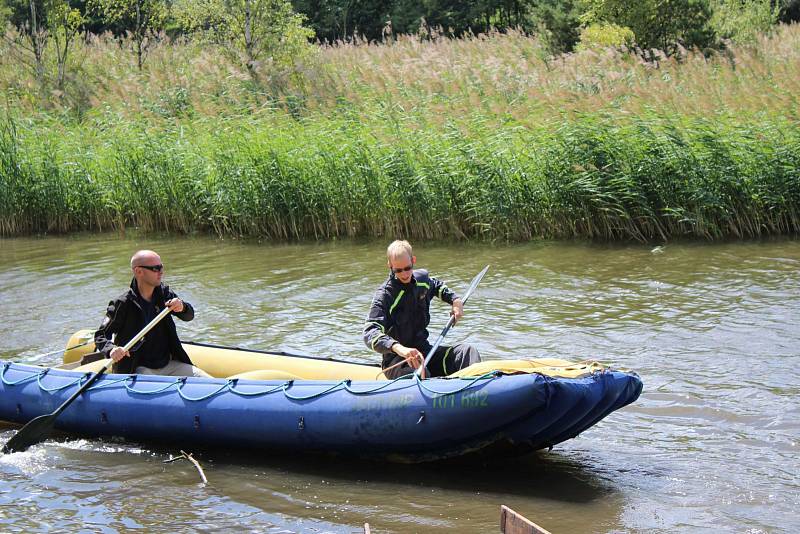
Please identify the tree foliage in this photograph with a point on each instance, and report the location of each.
(790, 11)
(557, 22)
(606, 35)
(258, 33)
(40, 24)
(5, 13)
(342, 19)
(742, 20)
(660, 24)
(63, 22)
(139, 19)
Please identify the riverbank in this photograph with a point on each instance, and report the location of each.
(408, 140)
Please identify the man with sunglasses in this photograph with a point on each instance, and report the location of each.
(160, 352)
(397, 324)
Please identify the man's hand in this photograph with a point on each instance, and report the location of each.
(411, 355)
(117, 353)
(176, 305)
(457, 311)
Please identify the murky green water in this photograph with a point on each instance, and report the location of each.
(711, 445)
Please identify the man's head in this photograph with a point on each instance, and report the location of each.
(147, 268)
(401, 260)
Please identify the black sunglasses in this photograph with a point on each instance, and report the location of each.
(402, 269)
(155, 268)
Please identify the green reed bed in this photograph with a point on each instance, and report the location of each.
(647, 177)
(483, 137)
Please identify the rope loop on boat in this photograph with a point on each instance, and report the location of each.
(21, 380)
(232, 387)
(109, 383)
(313, 395)
(421, 383)
(77, 382)
(219, 390)
(373, 390)
(132, 389)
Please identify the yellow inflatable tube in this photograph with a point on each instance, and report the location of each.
(239, 363)
(544, 366)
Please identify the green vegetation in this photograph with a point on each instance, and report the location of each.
(239, 126)
(483, 137)
(141, 19)
(660, 24)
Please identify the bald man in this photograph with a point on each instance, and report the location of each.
(160, 352)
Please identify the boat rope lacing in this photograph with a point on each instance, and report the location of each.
(232, 385)
(76, 382)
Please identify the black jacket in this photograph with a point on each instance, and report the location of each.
(125, 318)
(400, 313)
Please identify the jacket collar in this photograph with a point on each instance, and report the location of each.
(396, 281)
(158, 292)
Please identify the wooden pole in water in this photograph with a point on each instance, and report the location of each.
(513, 523)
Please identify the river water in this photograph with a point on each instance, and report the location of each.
(711, 445)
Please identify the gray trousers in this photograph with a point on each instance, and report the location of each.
(174, 368)
(446, 360)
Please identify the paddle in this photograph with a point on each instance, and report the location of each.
(39, 428)
(450, 323)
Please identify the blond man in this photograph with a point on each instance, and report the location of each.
(397, 324)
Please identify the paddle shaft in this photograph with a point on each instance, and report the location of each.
(134, 340)
(38, 428)
(451, 321)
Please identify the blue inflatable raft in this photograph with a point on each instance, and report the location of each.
(277, 401)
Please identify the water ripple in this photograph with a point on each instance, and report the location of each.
(711, 445)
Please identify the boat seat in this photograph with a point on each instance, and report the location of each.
(93, 367)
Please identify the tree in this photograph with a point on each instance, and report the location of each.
(5, 14)
(790, 11)
(141, 19)
(560, 21)
(742, 21)
(661, 24)
(63, 23)
(39, 22)
(334, 20)
(341, 19)
(33, 33)
(257, 33)
(606, 35)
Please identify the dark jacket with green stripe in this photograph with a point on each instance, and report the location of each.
(400, 313)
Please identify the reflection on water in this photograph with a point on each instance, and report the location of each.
(711, 444)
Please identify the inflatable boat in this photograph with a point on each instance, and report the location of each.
(279, 401)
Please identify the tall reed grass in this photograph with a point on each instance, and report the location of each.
(652, 178)
(476, 138)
